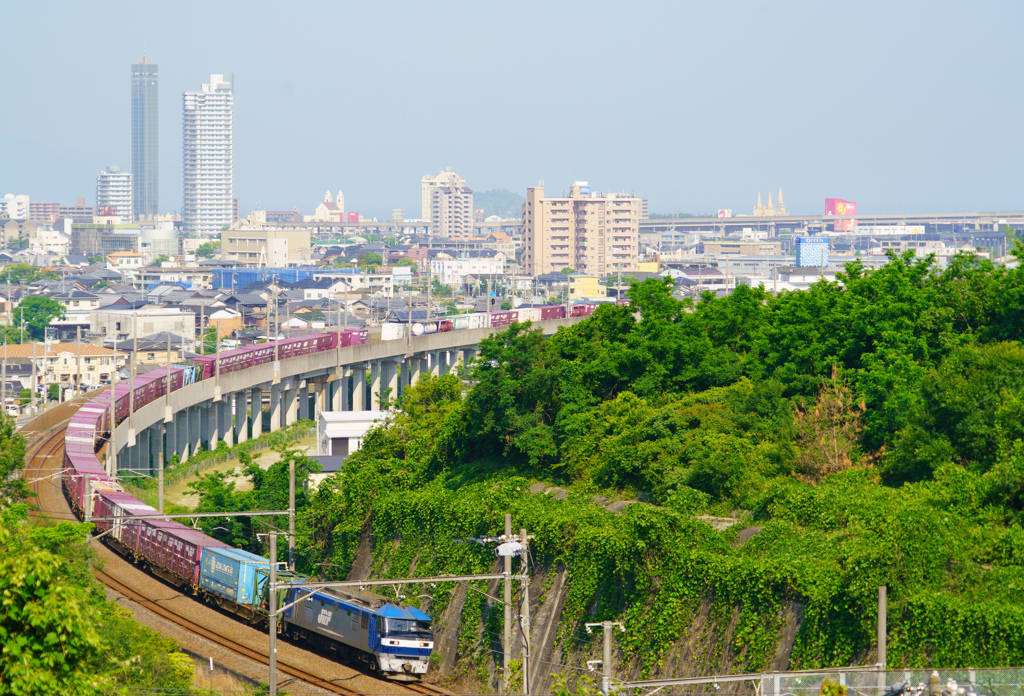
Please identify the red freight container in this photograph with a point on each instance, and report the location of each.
(503, 318)
(174, 551)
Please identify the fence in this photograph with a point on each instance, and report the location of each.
(1008, 681)
(177, 474)
(858, 681)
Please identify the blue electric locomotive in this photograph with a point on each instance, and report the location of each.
(391, 638)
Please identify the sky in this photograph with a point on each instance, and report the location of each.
(694, 105)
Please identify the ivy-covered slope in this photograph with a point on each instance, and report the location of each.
(865, 434)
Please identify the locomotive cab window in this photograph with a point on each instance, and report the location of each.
(408, 627)
(364, 620)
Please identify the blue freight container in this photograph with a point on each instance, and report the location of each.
(232, 574)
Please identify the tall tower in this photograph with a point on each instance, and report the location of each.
(207, 126)
(145, 157)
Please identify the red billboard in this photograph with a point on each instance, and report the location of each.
(845, 225)
(837, 206)
(353, 217)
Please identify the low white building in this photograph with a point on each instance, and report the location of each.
(340, 433)
(127, 263)
(378, 284)
(121, 324)
(47, 239)
(450, 269)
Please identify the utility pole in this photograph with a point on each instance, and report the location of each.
(525, 614)
(3, 378)
(606, 663)
(167, 396)
(506, 642)
(882, 635)
(78, 358)
(35, 383)
(272, 612)
(160, 470)
(291, 515)
(131, 374)
(111, 457)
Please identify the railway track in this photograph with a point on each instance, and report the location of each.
(213, 636)
(45, 460)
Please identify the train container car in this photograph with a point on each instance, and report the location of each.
(583, 309)
(552, 312)
(421, 328)
(174, 551)
(476, 320)
(394, 639)
(206, 364)
(99, 483)
(529, 314)
(352, 337)
(503, 318)
(236, 579)
(124, 532)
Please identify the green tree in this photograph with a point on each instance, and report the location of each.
(49, 641)
(10, 335)
(370, 258)
(506, 305)
(161, 258)
(12, 459)
(36, 313)
(568, 270)
(208, 250)
(208, 341)
(54, 392)
(19, 274)
(410, 263)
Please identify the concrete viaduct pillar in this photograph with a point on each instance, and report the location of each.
(375, 382)
(257, 411)
(291, 403)
(360, 392)
(241, 417)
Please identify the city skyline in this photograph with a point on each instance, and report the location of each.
(869, 105)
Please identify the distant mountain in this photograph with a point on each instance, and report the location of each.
(500, 202)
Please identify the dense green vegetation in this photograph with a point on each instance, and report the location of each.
(500, 202)
(58, 633)
(867, 432)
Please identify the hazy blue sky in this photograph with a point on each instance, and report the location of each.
(696, 106)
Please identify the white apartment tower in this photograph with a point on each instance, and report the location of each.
(451, 211)
(592, 233)
(431, 182)
(114, 190)
(207, 154)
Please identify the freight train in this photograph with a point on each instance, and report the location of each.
(390, 638)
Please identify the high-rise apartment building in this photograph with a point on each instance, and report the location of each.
(430, 182)
(207, 154)
(114, 190)
(451, 211)
(145, 158)
(596, 234)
